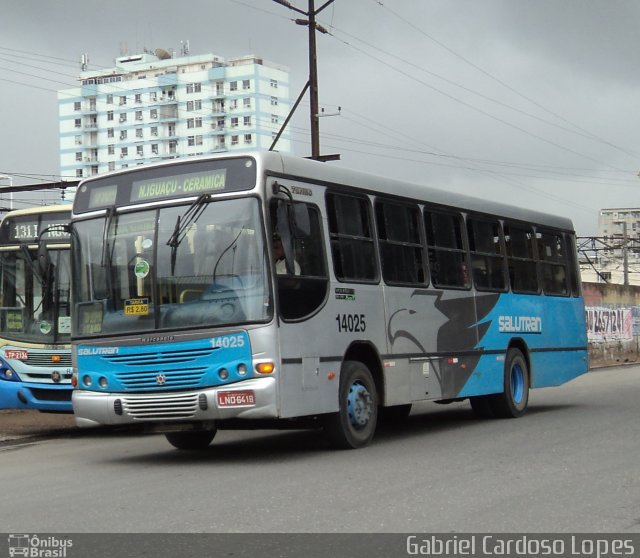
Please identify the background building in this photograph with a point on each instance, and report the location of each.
(151, 107)
(614, 255)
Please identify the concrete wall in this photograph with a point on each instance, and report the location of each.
(613, 323)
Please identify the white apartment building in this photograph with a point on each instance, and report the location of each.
(616, 251)
(151, 107)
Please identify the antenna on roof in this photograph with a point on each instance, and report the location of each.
(84, 61)
(184, 48)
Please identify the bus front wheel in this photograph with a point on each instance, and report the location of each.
(354, 425)
(190, 439)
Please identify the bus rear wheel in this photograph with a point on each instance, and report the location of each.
(354, 425)
(190, 439)
(512, 403)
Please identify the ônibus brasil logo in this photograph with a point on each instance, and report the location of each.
(38, 547)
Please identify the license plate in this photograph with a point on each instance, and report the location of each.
(18, 355)
(246, 398)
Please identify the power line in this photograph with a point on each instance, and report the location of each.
(501, 82)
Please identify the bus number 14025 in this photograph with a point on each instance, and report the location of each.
(351, 323)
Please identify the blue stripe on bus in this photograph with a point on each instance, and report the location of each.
(553, 330)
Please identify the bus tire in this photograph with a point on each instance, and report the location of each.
(191, 439)
(513, 401)
(354, 425)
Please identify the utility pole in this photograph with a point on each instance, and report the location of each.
(313, 26)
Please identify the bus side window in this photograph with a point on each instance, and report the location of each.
(553, 264)
(572, 262)
(401, 250)
(523, 269)
(487, 255)
(301, 294)
(447, 255)
(352, 243)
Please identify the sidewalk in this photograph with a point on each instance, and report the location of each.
(15, 424)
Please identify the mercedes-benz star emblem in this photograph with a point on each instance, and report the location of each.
(161, 379)
(56, 376)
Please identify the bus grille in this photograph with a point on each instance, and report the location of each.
(51, 394)
(44, 359)
(153, 358)
(161, 370)
(164, 407)
(161, 378)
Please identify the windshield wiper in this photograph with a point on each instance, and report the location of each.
(232, 244)
(183, 222)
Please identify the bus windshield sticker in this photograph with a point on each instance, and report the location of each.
(90, 318)
(179, 185)
(136, 307)
(45, 327)
(345, 294)
(64, 324)
(141, 269)
(14, 320)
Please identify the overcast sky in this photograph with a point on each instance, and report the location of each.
(533, 102)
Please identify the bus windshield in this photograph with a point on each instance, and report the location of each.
(181, 266)
(35, 300)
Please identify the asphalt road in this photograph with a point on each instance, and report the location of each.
(569, 465)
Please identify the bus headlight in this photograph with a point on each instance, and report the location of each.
(242, 369)
(86, 380)
(7, 373)
(103, 382)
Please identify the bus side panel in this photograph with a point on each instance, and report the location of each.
(554, 368)
(437, 324)
(312, 351)
(552, 329)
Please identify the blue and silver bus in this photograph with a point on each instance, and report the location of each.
(35, 325)
(386, 294)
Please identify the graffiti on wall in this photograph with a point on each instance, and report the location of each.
(604, 324)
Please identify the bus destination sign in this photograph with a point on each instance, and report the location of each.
(167, 182)
(179, 185)
(28, 228)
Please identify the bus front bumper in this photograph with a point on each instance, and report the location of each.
(41, 397)
(250, 399)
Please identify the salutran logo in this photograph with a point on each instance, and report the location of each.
(520, 324)
(98, 351)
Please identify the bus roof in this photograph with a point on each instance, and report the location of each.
(298, 167)
(38, 210)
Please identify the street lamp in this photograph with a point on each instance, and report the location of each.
(10, 179)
